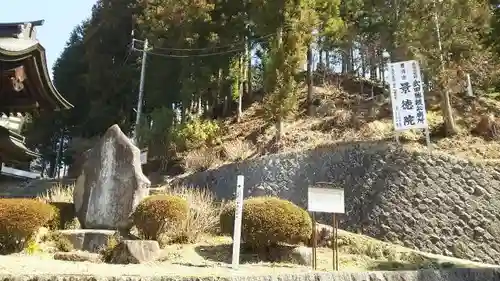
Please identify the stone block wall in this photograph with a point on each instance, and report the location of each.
(427, 201)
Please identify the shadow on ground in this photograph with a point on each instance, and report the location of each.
(427, 263)
(223, 253)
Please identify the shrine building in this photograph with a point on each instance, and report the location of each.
(25, 87)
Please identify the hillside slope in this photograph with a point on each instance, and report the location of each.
(344, 115)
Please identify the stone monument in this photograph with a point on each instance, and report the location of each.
(111, 183)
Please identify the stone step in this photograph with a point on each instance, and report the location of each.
(91, 240)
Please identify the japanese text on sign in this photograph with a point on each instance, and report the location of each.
(407, 97)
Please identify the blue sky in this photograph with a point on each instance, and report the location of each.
(60, 16)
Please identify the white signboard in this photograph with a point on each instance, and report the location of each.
(407, 96)
(326, 200)
(237, 222)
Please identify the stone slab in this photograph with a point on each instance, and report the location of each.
(91, 240)
(135, 251)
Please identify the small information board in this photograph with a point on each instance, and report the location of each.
(326, 200)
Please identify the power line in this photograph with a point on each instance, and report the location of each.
(240, 43)
(197, 55)
(241, 49)
(210, 48)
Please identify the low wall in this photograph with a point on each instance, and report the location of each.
(426, 201)
(423, 275)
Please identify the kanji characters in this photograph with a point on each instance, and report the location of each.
(407, 104)
(409, 120)
(405, 87)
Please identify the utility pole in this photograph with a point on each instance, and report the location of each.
(141, 90)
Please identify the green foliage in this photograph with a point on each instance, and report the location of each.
(64, 213)
(157, 214)
(197, 133)
(97, 73)
(60, 242)
(106, 252)
(20, 219)
(156, 132)
(32, 247)
(268, 221)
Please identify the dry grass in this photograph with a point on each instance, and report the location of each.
(58, 241)
(201, 160)
(203, 215)
(59, 193)
(238, 150)
(349, 117)
(356, 252)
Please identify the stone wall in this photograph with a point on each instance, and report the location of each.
(427, 201)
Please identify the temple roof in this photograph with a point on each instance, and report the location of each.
(12, 146)
(25, 83)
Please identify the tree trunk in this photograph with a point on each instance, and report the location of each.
(327, 59)
(345, 61)
(320, 61)
(309, 81)
(449, 121)
(226, 93)
(247, 66)
(240, 88)
(200, 106)
(279, 130)
(350, 60)
(381, 66)
(249, 73)
(184, 109)
(373, 63)
(279, 118)
(362, 53)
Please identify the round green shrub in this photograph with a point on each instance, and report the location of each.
(20, 219)
(64, 213)
(226, 219)
(268, 221)
(156, 214)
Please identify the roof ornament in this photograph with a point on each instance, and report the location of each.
(24, 31)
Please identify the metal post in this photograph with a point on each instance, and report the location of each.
(141, 90)
(334, 242)
(314, 242)
(336, 245)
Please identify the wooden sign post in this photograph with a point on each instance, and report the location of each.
(237, 222)
(326, 200)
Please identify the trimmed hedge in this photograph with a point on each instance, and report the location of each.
(268, 221)
(64, 213)
(20, 219)
(156, 214)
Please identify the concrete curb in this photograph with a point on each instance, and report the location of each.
(461, 274)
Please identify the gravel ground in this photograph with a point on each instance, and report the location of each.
(44, 265)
